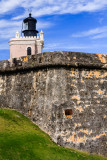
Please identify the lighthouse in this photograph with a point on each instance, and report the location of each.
(29, 43)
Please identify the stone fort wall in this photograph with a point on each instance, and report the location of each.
(65, 93)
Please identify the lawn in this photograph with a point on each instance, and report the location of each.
(20, 139)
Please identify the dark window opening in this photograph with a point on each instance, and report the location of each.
(29, 51)
(68, 113)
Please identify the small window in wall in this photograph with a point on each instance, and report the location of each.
(68, 113)
(29, 51)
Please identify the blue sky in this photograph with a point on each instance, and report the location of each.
(69, 25)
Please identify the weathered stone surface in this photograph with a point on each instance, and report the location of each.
(65, 93)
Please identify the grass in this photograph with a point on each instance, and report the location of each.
(20, 139)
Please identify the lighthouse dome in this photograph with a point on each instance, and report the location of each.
(30, 18)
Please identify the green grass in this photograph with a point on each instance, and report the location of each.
(20, 139)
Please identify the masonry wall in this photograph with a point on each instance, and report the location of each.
(65, 93)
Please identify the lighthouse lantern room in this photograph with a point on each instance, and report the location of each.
(30, 26)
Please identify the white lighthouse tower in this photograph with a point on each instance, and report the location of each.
(30, 43)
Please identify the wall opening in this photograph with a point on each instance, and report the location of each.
(30, 112)
(29, 51)
(68, 113)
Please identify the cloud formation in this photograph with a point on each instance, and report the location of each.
(96, 33)
(49, 7)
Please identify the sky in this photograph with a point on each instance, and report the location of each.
(69, 25)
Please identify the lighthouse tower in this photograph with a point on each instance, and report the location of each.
(29, 43)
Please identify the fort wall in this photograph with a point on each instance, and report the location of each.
(65, 93)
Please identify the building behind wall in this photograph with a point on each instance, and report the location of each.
(30, 43)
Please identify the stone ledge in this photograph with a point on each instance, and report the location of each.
(55, 58)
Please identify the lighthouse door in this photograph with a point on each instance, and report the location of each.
(29, 51)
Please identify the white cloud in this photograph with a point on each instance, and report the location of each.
(93, 33)
(102, 35)
(9, 23)
(9, 5)
(64, 46)
(88, 48)
(49, 7)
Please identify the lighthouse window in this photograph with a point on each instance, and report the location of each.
(29, 51)
(26, 26)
